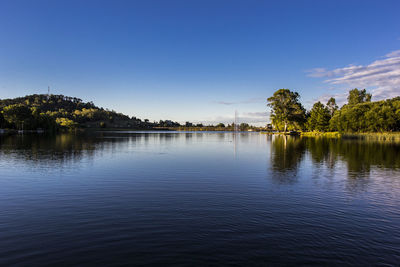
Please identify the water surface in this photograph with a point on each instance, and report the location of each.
(167, 198)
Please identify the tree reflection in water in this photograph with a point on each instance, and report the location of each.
(286, 155)
(356, 158)
(62, 149)
(353, 160)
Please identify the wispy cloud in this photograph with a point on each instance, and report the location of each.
(382, 76)
(246, 101)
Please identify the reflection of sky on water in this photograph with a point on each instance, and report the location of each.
(282, 157)
(150, 191)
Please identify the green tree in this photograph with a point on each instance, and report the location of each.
(244, 126)
(376, 116)
(46, 109)
(331, 105)
(66, 123)
(45, 121)
(18, 115)
(362, 115)
(319, 118)
(221, 125)
(286, 109)
(358, 96)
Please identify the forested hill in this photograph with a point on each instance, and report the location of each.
(49, 102)
(59, 111)
(53, 112)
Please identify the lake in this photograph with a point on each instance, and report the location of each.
(197, 198)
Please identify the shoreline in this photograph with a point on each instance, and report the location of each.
(385, 136)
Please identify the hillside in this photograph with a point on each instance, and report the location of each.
(55, 112)
(59, 111)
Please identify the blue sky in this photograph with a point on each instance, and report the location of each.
(198, 60)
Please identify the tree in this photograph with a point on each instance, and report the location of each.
(18, 115)
(46, 122)
(286, 109)
(66, 123)
(221, 125)
(358, 96)
(2, 120)
(46, 109)
(376, 116)
(331, 106)
(319, 118)
(244, 126)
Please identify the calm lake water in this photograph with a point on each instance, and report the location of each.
(157, 198)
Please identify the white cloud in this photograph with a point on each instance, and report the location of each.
(252, 118)
(382, 76)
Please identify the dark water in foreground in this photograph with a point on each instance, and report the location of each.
(197, 199)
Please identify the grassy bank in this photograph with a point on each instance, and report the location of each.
(387, 136)
(322, 134)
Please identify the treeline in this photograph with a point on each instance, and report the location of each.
(219, 127)
(359, 114)
(54, 112)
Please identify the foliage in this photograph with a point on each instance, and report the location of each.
(357, 116)
(331, 106)
(379, 116)
(244, 126)
(395, 137)
(286, 109)
(66, 123)
(168, 123)
(57, 111)
(322, 134)
(358, 96)
(319, 118)
(18, 115)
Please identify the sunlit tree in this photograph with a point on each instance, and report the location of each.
(319, 118)
(358, 96)
(332, 106)
(286, 109)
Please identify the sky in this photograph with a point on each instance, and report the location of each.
(199, 60)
